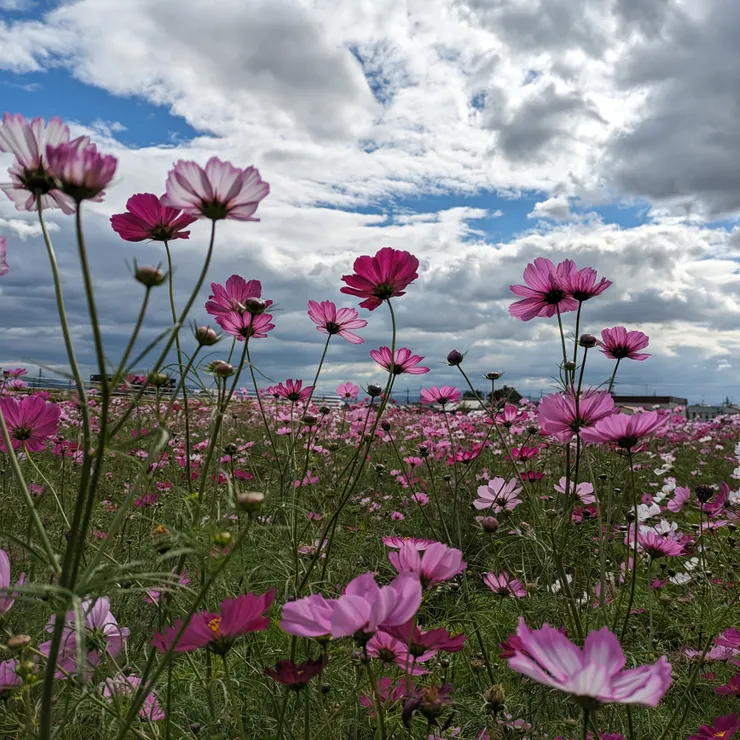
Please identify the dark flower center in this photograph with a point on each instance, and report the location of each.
(554, 296)
(294, 397)
(37, 181)
(332, 327)
(619, 351)
(22, 433)
(161, 233)
(215, 210)
(627, 442)
(386, 655)
(384, 290)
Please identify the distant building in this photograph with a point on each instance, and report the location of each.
(706, 411)
(630, 403)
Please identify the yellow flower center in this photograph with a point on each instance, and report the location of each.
(214, 624)
(720, 733)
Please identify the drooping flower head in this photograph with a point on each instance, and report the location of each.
(348, 391)
(617, 343)
(30, 421)
(435, 564)
(545, 292)
(379, 278)
(217, 632)
(444, 395)
(234, 296)
(330, 320)
(582, 284)
(594, 674)
(246, 325)
(293, 391)
(147, 217)
(4, 266)
(402, 361)
(80, 170)
(217, 191)
(29, 173)
(558, 415)
(625, 430)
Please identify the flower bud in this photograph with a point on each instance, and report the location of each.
(569, 366)
(149, 275)
(310, 420)
(423, 451)
(324, 410)
(223, 369)
(255, 306)
(159, 380)
(493, 376)
(250, 501)
(374, 390)
(494, 698)
(477, 665)
(16, 643)
(385, 426)
(221, 539)
(206, 337)
(587, 340)
(704, 493)
(230, 448)
(489, 524)
(455, 358)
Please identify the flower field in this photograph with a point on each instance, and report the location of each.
(246, 562)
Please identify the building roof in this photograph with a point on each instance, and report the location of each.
(650, 400)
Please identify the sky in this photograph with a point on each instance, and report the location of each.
(476, 134)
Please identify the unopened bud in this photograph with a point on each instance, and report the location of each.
(223, 369)
(569, 366)
(221, 539)
(489, 524)
(250, 501)
(230, 448)
(159, 380)
(477, 665)
(423, 451)
(149, 276)
(704, 493)
(385, 426)
(494, 698)
(324, 410)
(255, 306)
(374, 390)
(205, 336)
(310, 420)
(455, 358)
(16, 643)
(493, 376)
(587, 341)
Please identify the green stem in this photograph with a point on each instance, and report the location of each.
(614, 374)
(634, 550)
(235, 706)
(134, 335)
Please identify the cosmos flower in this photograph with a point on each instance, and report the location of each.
(504, 585)
(559, 418)
(444, 395)
(498, 495)
(293, 391)
(625, 430)
(245, 325)
(79, 169)
(30, 421)
(402, 361)
(297, 675)
(618, 343)
(435, 564)
(330, 320)
(379, 278)
(147, 218)
(545, 292)
(581, 284)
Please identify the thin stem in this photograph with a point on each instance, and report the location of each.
(376, 700)
(634, 550)
(614, 374)
(585, 724)
(562, 337)
(235, 706)
(134, 335)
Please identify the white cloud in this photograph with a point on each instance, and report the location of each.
(556, 208)
(23, 228)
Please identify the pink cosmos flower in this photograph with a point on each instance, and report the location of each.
(584, 491)
(397, 542)
(729, 638)
(427, 642)
(388, 691)
(232, 297)
(498, 495)
(246, 325)
(147, 218)
(618, 343)
(595, 672)
(434, 565)
(348, 391)
(625, 430)
(329, 320)
(731, 688)
(7, 597)
(217, 191)
(80, 170)
(217, 632)
(681, 495)
(126, 687)
(308, 617)
(293, 391)
(4, 267)
(379, 278)
(722, 727)
(657, 546)
(29, 173)
(402, 361)
(9, 679)
(366, 607)
(558, 417)
(504, 585)
(30, 421)
(581, 284)
(508, 416)
(545, 292)
(444, 395)
(15, 372)
(389, 649)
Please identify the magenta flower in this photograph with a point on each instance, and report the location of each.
(397, 542)
(348, 391)
(217, 632)
(233, 297)
(729, 638)
(427, 641)
(4, 266)
(435, 564)
(509, 416)
(297, 675)
(80, 170)
(657, 546)
(293, 391)
(681, 495)
(625, 430)
(382, 277)
(366, 607)
(308, 617)
(246, 325)
(444, 395)
(329, 320)
(504, 585)
(9, 678)
(722, 727)
(391, 650)
(125, 687)
(30, 421)
(594, 673)
(217, 191)
(584, 491)
(545, 292)
(581, 284)
(558, 417)
(7, 597)
(498, 495)
(402, 361)
(618, 344)
(29, 173)
(147, 218)
(731, 688)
